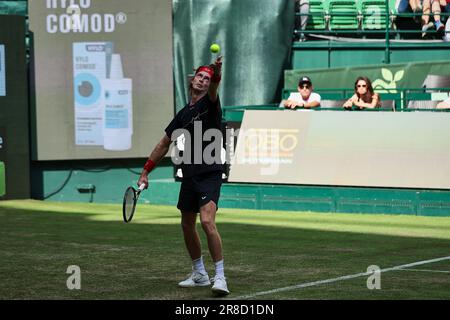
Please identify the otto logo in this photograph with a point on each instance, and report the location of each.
(270, 147)
(280, 141)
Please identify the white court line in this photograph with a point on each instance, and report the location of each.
(351, 276)
(425, 270)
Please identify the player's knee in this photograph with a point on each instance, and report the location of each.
(208, 225)
(209, 208)
(187, 227)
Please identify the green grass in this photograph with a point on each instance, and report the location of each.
(263, 250)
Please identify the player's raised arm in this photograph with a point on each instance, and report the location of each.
(215, 80)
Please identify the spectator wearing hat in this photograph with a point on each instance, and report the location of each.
(304, 98)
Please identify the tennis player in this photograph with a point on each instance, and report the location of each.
(201, 182)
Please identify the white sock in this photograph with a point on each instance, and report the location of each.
(198, 265)
(219, 268)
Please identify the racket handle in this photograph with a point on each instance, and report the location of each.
(142, 187)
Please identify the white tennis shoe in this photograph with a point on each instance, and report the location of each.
(220, 286)
(196, 279)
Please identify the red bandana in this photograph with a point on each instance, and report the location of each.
(206, 69)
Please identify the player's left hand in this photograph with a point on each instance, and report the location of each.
(217, 65)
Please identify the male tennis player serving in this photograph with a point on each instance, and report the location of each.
(200, 187)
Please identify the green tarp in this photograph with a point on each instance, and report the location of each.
(13, 7)
(255, 37)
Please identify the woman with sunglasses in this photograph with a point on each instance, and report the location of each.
(364, 97)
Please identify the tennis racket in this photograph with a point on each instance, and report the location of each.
(129, 202)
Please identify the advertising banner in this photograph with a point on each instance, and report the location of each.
(364, 149)
(103, 77)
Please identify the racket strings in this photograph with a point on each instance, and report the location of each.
(129, 203)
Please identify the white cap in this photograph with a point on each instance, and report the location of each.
(117, 142)
(116, 72)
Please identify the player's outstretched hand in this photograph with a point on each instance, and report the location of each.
(217, 65)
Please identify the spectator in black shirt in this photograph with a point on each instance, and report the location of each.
(202, 173)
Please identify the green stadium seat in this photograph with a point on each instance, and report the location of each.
(318, 11)
(387, 105)
(395, 97)
(417, 99)
(436, 81)
(373, 14)
(422, 104)
(343, 15)
(332, 104)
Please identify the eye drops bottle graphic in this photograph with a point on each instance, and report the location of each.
(118, 116)
(90, 67)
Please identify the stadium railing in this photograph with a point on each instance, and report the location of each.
(360, 18)
(401, 97)
(403, 100)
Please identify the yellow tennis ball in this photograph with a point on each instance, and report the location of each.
(215, 48)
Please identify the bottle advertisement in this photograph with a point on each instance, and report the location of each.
(103, 77)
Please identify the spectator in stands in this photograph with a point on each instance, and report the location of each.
(364, 97)
(446, 20)
(444, 104)
(436, 9)
(445, 5)
(304, 98)
(302, 7)
(406, 6)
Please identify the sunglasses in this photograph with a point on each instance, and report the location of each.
(362, 85)
(304, 86)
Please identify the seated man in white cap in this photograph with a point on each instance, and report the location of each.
(304, 98)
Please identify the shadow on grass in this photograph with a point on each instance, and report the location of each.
(146, 261)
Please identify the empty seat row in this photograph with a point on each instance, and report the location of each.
(350, 15)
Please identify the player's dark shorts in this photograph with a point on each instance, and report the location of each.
(198, 190)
